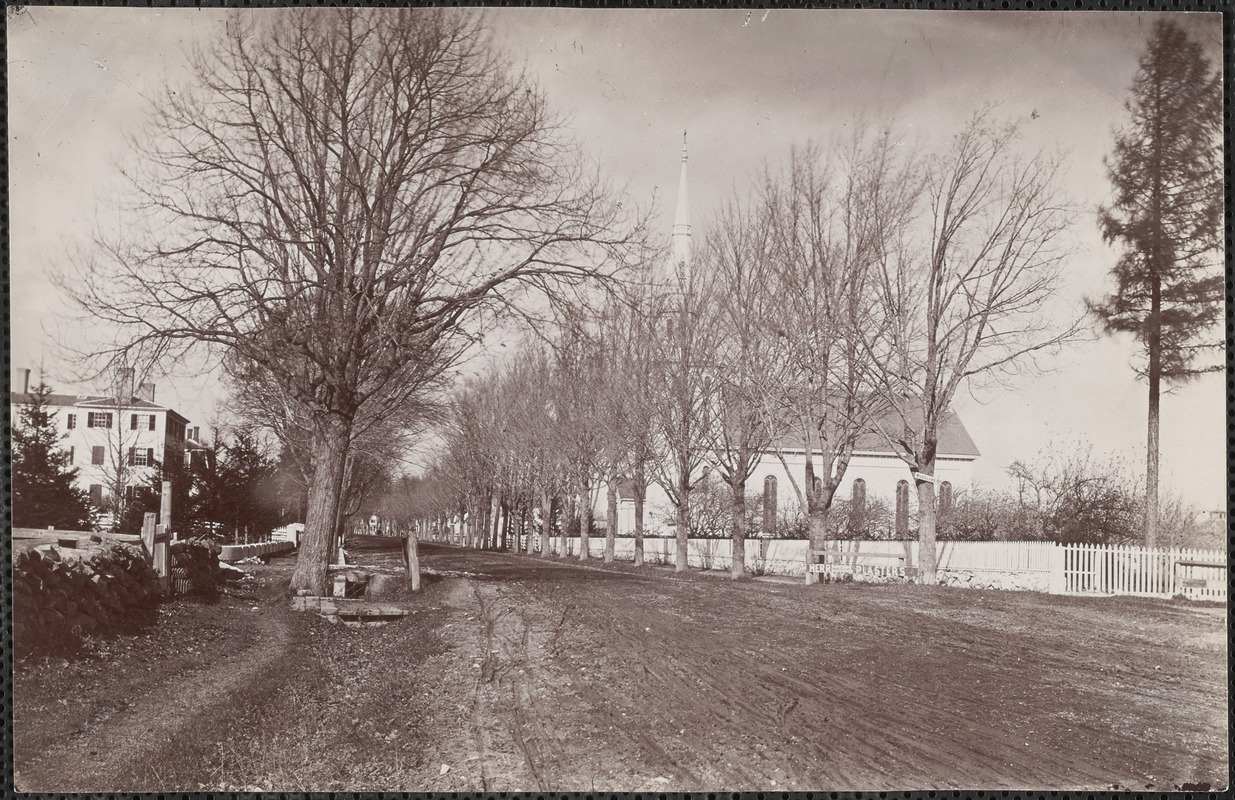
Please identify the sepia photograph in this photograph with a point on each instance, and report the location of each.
(617, 400)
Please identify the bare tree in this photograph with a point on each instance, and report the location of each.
(837, 216)
(338, 198)
(682, 388)
(579, 391)
(740, 253)
(973, 301)
(636, 361)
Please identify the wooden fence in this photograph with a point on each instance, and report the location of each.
(1035, 566)
(1142, 572)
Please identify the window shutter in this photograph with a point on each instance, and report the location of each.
(72, 421)
(150, 455)
(132, 456)
(70, 452)
(152, 422)
(132, 422)
(96, 455)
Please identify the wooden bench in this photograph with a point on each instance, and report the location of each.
(836, 561)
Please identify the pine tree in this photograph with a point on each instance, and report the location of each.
(43, 490)
(1166, 171)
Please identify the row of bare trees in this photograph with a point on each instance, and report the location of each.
(335, 205)
(339, 204)
(854, 291)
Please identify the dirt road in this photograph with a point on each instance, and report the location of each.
(522, 674)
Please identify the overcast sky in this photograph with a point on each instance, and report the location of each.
(746, 86)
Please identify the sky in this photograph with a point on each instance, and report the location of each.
(744, 86)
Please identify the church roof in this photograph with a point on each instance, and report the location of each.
(954, 438)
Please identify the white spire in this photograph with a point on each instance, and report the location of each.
(681, 222)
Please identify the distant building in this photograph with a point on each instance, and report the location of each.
(875, 471)
(112, 441)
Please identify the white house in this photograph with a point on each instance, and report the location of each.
(111, 440)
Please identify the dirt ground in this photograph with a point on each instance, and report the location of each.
(516, 673)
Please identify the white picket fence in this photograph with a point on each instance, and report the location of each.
(1142, 572)
(1036, 566)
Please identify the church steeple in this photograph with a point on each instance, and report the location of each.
(681, 223)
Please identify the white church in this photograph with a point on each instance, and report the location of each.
(874, 471)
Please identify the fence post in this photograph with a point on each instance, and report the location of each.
(165, 507)
(1055, 560)
(148, 524)
(1171, 558)
(411, 559)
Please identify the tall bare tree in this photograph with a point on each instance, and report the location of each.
(740, 254)
(682, 387)
(636, 349)
(973, 300)
(838, 216)
(338, 197)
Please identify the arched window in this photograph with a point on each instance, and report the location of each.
(945, 497)
(857, 510)
(769, 504)
(902, 509)
(859, 496)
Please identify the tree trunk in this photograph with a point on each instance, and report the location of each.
(611, 529)
(817, 530)
(738, 511)
(585, 521)
(1151, 449)
(546, 524)
(494, 532)
(569, 511)
(330, 443)
(681, 558)
(411, 560)
(926, 530)
(640, 495)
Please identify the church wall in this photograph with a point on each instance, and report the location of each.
(880, 472)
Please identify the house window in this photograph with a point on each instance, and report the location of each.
(132, 422)
(96, 495)
(152, 422)
(96, 455)
(141, 420)
(98, 419)
(945, 497)
(141, 456)
(72, 421)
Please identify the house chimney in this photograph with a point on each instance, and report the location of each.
(124, 384)
(25, 383)
(197, 433)
(145, 391)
